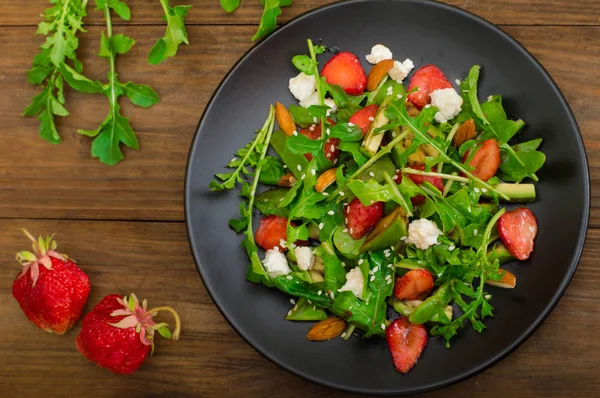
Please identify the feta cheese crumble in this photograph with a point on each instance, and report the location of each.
(423, 233)
(401, 69)
(305, 257)
(312, 99)
(354, 283)
(448, 102)
(275, 263)
(379, 53)
(302, 86)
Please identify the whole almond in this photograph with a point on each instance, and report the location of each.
(287, 180)
(284, 119)
(465, 132)
(326, 329)
(325, 180)
(378, 72)
(508, 281)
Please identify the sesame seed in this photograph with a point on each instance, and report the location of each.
(487, 297)
(372, 278)
(344, 335)
(320, 292)
(451, 247)
(325, 194)
(321, 225)
(383, 326)
(483, 190)
(303, 176)
(314, 307)
(399, 96)
(388, 254)
(309, 302)
(332, 148)
(234, 159)
(457, 82)
(328, 155)
(350, 124)
(292, 301)
(475, 232)
(345, 230)
(342, 193)
(360, 261)
(476, 190)
(284, 166)
(390, 265)
(346, 220)
(403, 238)
(376, 268)
(315, 120)
(406, 312)
(280, 199)
(312, 128)
(289, 278)
(372, 201)
(289, 312)
(371, 174)
(295, 132)
(371, 118)
(331, 212)
(391, 247)
(313, 172)
(469, 209)
(395, 177)
(389, 282)
(462, 184)
(328, 131)
(393, 134)
(489, 98)
(428, 106)
(299, 168)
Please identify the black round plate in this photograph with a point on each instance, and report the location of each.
(427, 32)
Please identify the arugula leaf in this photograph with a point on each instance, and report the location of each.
(61, 24)
(230, 5)
(346, 132)
(512, 170)
(272, 171)
(115, 129)
(346, 245)
(353, 148)
(300, 144)
(294, 285)
(175, 34)
(335, 273)
(268, 21)
(304, 64)
(268, 202)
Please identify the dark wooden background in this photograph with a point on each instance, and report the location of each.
(125, 224)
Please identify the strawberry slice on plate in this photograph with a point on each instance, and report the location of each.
(406, 342)
(413, 285)
(428, 78)
(517, 230)
(360, 218)
(345, 70)
(330, 148)
(271, 231)
(364, 117)
(486, 160)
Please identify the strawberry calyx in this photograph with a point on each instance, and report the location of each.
(43, 251)
(139, 317)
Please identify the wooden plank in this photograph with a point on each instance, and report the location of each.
(73, 185)
(153, 260)
(521, 12)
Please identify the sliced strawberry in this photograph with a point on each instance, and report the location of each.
(417, 179)
(364, 117)
(360, 218)
(415, 284)
(486, 160)
(428, 78)
(345, 70)
(271, 231)
(332, 153)
(406, 342)
(517, 230)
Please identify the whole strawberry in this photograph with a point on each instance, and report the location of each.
(51, 289)
(118, 333)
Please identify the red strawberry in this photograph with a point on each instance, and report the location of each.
(428, 78)
(364, 117)
(406, 342)
(270, 233)
(415, 284)
(418, 179)
(517, 230)
(118, 333)
(51, 289)
(360, 218)
(345, 70)
(332, 153)
(315, 134)
(486, 160)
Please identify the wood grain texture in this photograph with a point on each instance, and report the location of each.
(165, 131)
(153, 260)
(519, 12)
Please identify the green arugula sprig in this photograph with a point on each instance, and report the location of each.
(61, 24)
(268, 20)
(115, 129)
(175, 34)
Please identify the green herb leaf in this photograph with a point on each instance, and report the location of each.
(304, 64)
(141, 95)
(268, 21)
(230, 5)
(346, 132)
(176, 33)
(511, 168)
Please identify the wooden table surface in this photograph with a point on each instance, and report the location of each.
(125, 224)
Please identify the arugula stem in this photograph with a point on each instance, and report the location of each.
(408, 264)
(408, 170)
(313, 56)
(448, 186)
(165, 4)
(488, 230)
(452, 132)
(112, 74)
(383, 151)
(394, 186)
(443, 154)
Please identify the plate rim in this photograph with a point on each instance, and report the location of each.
(581, 238)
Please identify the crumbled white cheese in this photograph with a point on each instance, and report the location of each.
(312, 99)
(302, 86)
(448, 102)
(423, 233)
(401, 69)
(379, 53)
(305, 257)
(275, 263)
(354, 283)
(331, 104)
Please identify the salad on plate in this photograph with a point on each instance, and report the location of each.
(382, 200)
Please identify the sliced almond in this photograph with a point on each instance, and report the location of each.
(508, 281)
(287, 180)
(284, 119)
(465, 132)
(378, 72)
(417, 157)
(325, 180)
(326, 329)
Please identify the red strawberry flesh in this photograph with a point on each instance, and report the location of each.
(406, 342)
(360, 218)
(364, 117)
(345, 70)
(413, 285)
(517, 229)
(428, 79)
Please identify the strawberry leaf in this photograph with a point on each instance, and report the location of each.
(165, 332)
